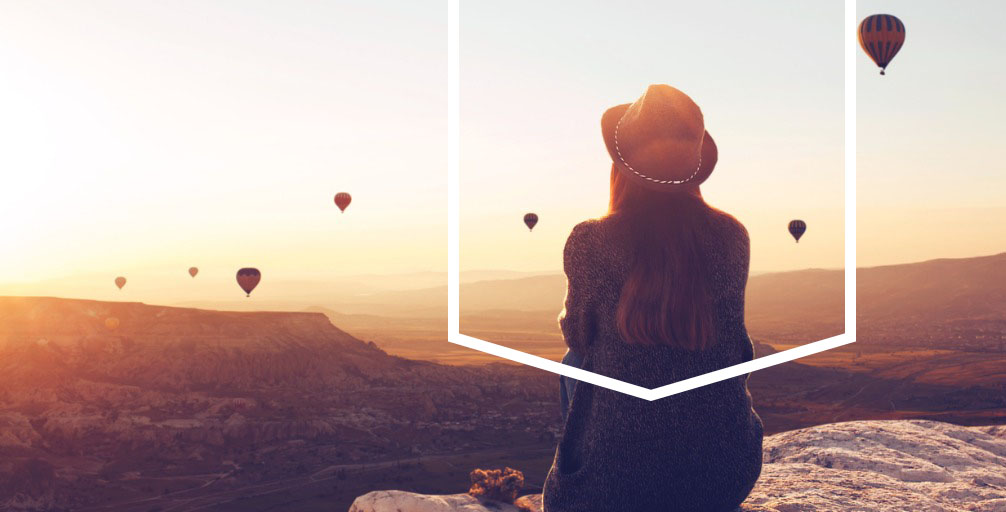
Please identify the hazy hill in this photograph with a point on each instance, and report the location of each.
(23, 318)
(184, 348)
(948, 299)
(924, 303)
(179, 348)
(191, 404)
(916, 287)
(936, 289)
(214, 288)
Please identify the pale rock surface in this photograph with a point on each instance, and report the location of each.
(401, 501)
(884, 466)
(863, 466)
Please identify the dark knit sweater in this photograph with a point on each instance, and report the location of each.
(695, 451)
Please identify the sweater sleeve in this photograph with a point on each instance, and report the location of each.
(577, 317)
(739, 289)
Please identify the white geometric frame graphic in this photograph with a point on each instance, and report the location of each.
(454, 334)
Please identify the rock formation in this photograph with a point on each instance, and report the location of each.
(189, 401)
(868, 466)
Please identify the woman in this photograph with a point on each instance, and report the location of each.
(656, 295)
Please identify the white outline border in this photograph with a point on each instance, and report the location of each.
(453, 239)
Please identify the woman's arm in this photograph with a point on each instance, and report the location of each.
(747, 347)
(577, 318)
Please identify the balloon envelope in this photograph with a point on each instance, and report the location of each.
(248, 279)
(120, 282)
(193, 271)
(342, 200)
(111, 323)
(881, 36)
(531, 219)
(797, 228)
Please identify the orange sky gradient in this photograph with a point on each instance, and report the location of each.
(141, 138)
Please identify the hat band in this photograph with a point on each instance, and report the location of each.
(648, 178)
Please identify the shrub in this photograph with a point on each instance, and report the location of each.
(496, 484)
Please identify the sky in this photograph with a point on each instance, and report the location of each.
(140, 138)
(536, 77)
(931, 158)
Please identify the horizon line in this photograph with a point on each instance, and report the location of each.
(331, 277)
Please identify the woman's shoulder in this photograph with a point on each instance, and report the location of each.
(588, 242)
(581, 239)
(732, 228)
(593, 234)
(586, 230)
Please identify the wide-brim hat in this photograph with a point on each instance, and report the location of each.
(660, 141)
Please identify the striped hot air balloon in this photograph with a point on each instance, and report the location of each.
(881, 36)
(342, 200)
(530, 219)
(248, 279)
(120, 282)
(797, 228)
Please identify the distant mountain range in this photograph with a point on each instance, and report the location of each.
(937, 289)
(215, 288)
(786, 306)
(917, 287)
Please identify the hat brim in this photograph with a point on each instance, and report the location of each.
(709, 153)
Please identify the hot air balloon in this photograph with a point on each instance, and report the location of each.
(111, 323)
(342, 200)
(193, 271)
(881, 36)
(796, 228)
(248, 279)
(531, 219)
(120, 282)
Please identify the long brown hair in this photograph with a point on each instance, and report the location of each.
(666, 298)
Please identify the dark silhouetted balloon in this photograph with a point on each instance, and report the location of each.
(342, 200)
(797, 228)
(120, 282)
(111, 323)
(248, 279)
(531, 219)
(881, 36)
(193, 271)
